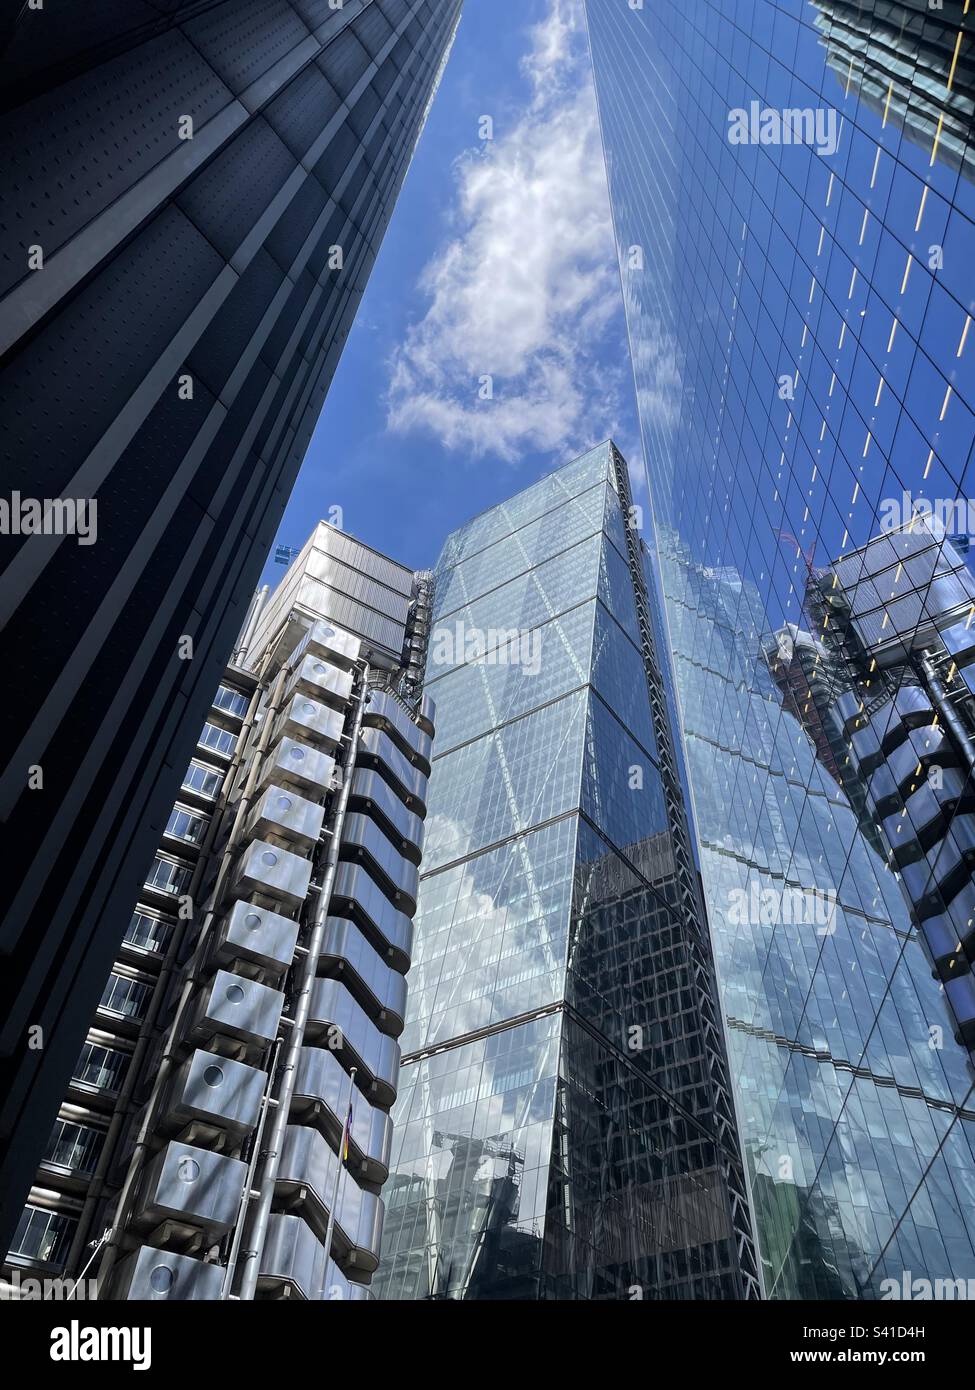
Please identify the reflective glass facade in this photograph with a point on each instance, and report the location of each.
(562, 1129)
(793, 199)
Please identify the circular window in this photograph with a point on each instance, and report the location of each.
(309, 710)
(162, 1279)
(320, 668)
(234, 994)
(213, 1076)
(297, 754)
(252, 921)
(187, 1170)
(269, 857)
(285, 803)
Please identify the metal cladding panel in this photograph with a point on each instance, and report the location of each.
(408, 781)
(333, 1006)
(391, 930)
(308, 1160)
(277, 873)
(369, 792)
(239, 1008)
(151, 239)
(309, 720)
(293, 1255)
(213, 1088)
(194, 1185)
(295, 764)
(358, 585)
(345, 949)
(384, 707)
(257, 934)
(397, 876)
(321, 679)
(285, 814)
(154, 1274)
(322, 1078)
(369, 625)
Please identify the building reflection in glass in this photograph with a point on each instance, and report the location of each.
(563, 1128)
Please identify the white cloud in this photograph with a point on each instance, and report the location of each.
(526, 289)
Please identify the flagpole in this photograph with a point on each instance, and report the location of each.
(343, 1145)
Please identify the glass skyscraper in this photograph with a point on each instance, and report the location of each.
(564, 1126)
(792, 191)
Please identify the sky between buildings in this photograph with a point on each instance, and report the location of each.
(499, 262)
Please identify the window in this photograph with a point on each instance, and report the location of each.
(202, 779)
(43, 1235)
(218, 740)
(74, 1146)
(167, 876)
(186, 825)
(102, 1067)
(230, 701)
(122, 995)
(148, 932)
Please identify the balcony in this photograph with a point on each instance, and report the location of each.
(363, 840)
(152, 1274)
(362, 1045)
(322, 1098)
(346, 954)
(192, 1187)
(274, 873)
(309, 721)
(236, 1008)
(369, 793)
(258, 935)
(291, 819)
(357, 896)
(294, 764)
(306, 1181)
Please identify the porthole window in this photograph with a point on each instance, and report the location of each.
(213, 1076)
(162, 1279)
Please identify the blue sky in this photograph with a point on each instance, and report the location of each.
(499, 261)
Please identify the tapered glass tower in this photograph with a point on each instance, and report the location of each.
(563, 1128)
(793, 203)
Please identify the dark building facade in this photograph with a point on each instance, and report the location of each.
(564, 1128)
(795, 220)
(195, 195)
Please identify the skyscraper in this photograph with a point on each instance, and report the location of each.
(564, 1128)
(248, 1025)
(795, 249)
(196, 193)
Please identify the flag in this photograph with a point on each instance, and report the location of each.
(346, 1129)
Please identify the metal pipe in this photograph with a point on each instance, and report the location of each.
(267, 1103)
(948, 712)
(250, 624)
(189, 986)
(333, 1206)
(258, 1219)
